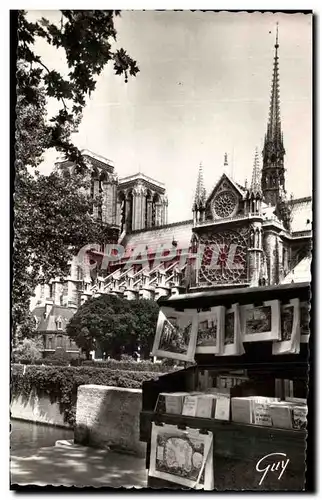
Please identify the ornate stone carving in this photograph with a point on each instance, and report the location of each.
(225, 257)
(225, 204)
(139, 190)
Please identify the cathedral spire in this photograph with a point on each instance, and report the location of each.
(255, 186)
(274, 121)
(200, 196)
(273, 179)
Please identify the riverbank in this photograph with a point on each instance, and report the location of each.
(66, 464)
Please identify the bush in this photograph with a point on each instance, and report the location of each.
(142, 366)
(28, 349)
(59, 358)
(61, 383)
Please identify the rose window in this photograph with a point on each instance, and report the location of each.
(225, 204)
(224, 257)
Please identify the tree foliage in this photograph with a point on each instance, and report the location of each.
(28, 349)
(52, 214)
(86, 37)
(114, 325)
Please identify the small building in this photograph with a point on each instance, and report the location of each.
(51, 320)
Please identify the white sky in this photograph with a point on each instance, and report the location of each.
(203, 89)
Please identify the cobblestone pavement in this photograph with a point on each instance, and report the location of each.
(71, 465)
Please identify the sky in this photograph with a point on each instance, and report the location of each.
(203, 90)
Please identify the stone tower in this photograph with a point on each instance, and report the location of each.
(273, 173)
(141, 203)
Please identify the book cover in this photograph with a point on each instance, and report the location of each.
(190, 405)
(281, 414)
(160, 404)
(222, 409)
(242, 410)
(174, 402)
(262, 414)
(299, 417)
(205, 406)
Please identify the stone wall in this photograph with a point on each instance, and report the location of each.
(109, 416)
(37, 409)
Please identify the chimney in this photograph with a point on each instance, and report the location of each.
(48, 307)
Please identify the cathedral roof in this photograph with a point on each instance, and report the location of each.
(239, 188)
(180, 232)
(49, 324)
(131, 180)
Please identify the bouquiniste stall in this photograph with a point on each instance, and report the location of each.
(236, 418)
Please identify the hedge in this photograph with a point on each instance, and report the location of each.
(111, 364)
(61, 383)
(142, 366)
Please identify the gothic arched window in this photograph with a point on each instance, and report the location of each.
(155, 214)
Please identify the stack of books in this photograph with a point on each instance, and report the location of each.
(251, 410)
(270, 412)
(218, 404)
(214, 403)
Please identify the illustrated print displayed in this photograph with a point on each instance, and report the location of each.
(173, 337)
(183, 457)
(305, 321)
(261, 322)
(290, 329)
(210, 330)
(258, 320)
(231, 339)
(176, 334)
(229, 328)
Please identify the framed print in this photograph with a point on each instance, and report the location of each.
(210, 330)
(182, 456)
(261, 323)
(231, 341)
(305, 322)
(290, 329)
(176, 334)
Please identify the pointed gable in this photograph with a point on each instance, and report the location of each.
(224, 200)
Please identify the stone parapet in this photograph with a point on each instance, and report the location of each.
(109, 417)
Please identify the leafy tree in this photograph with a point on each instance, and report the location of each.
(115, 325)
(145, 316)
(28, 350)
(52, 214)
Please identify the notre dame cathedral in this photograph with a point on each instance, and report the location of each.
(255, 234)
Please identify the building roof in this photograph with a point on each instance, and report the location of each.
(181, 232)
(301, 272)
(49, 324)
(144, 179)
(301, 214)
